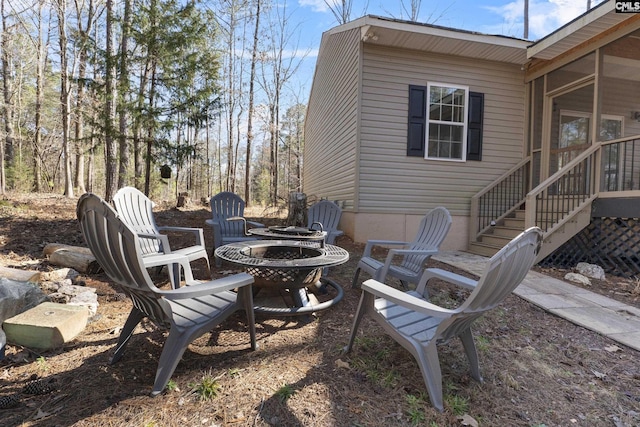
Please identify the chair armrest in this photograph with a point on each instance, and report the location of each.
(447, 276)
(405, 299)
(371, 243)
(164, 240)
(169, 259)
(217, 232)
(197, 232)
(207, 288)
(396, 252)
(255, 224)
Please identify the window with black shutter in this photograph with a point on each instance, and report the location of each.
(435, 126)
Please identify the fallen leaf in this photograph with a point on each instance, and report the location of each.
(468, 420)
(342, 364)
(612, 348)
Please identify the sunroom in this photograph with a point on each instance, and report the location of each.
(581, 180)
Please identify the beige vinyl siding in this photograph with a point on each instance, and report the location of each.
(331, 125)
(392, 182)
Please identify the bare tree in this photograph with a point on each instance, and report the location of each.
(413, 10)
(64, 95)
(6, 148)
(277, 69)
(110, 142)
(123, 89)
(252, 77)
(526, 19)
(341, 10)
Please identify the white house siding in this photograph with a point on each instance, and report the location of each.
(395, 191)
(331, 125)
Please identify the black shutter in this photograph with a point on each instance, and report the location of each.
(474, 126)
(417, 120)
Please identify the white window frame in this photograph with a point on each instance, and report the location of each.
(462, 124)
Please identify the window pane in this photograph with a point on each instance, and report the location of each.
(456, 150)
(447, 121)
(447, 115)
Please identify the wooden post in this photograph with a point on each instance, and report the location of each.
(297, 209)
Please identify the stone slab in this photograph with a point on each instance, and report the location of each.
(598, 319)
(46, 326)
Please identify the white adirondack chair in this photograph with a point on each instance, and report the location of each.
(188, 312)
(419, 326)
(325, 215)
(227, 205)
(432, 231)
(136, 210)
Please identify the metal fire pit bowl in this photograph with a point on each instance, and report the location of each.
(283, 275)
(290, 265)
(289, 232)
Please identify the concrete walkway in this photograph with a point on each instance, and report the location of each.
(610, 318)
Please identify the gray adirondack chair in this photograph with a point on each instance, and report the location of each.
(188, 312)
(419, 326)
(136, 210)
(432, 231)
(325, 215)
(227, 205)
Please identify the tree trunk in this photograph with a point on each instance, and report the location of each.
(252, 78)
(123, 89)
(7, 91)
(64, 96)
(110, 142)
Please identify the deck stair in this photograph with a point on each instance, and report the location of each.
(506, 229)
(499, 235)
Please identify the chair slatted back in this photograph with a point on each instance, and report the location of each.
(117, 249)
(326, 213)
(136, 210)
(226, 205)
(503, 273)
(432, 231)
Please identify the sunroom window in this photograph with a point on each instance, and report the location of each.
(447, 122)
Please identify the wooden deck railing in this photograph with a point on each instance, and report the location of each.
(606, 167)
(500, 198)
(567, 191)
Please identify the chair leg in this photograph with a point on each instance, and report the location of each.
(366, 300)
(355, 278)
(430, 367)
(246, 294)
(172, 352)
(472, 355)
(208, 266)
(174, 276)
(132, 321)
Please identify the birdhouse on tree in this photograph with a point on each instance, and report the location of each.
(165, 171)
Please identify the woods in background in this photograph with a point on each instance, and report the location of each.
(99, 94)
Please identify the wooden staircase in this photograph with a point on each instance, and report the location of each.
(496, 237)
(499, 234)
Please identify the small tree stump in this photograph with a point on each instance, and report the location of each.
(297, 209)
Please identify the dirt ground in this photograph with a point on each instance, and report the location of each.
(539, 370)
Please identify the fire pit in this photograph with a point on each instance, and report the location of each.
(290, 265)
(290, 232)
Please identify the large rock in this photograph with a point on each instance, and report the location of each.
(46, 326)
(590, 270)
(15, 298)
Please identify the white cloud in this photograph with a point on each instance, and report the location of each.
(316, 5)
(545, 16)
